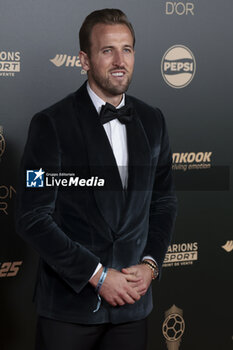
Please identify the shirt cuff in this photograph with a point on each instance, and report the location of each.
(98, 267)
(150, 257)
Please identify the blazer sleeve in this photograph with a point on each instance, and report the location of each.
(163, 204)
(35, 209)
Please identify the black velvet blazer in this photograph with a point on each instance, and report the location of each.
(73, 229)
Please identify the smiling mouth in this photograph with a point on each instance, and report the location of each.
(118, 74)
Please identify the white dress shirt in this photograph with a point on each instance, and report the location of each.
(116, 133)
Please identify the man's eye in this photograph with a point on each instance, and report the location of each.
(107, 50)
(127, 50)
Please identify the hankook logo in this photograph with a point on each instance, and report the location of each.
(68, 61)
(178, 66)
(9, 63)
(2, 142)
(191, 161)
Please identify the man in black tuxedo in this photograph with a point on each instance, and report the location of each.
(99, 248)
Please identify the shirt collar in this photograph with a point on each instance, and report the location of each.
(98, 102)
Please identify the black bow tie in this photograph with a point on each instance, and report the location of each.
(109, 112)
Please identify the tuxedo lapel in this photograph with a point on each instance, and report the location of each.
(102, 163)
(138, 170)
(139, 153)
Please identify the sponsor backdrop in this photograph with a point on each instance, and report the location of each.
(183, 65)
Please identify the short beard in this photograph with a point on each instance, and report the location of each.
(108, 87)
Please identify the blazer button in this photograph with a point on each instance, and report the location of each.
(138, 241)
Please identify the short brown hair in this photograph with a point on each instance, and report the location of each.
(106, 16)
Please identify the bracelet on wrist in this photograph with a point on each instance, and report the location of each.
(99, 285)
(153, 267)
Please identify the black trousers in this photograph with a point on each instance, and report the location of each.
(57, 335)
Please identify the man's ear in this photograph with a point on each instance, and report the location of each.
(84, 60)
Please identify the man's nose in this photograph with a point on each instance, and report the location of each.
(118, 59)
